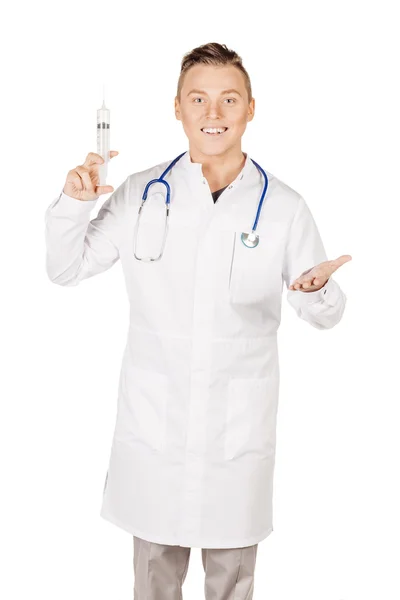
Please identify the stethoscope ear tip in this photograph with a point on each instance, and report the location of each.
(250, 240)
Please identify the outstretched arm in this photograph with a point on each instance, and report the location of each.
(321, 302)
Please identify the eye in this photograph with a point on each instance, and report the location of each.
(233, 99)
(197, 99)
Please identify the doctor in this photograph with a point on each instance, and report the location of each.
(193, 452)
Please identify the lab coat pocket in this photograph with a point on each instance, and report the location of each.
(251, 416)
(148, 237)
(143, 408)
(248, 280)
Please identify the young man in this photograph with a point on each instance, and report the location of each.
(193, 453)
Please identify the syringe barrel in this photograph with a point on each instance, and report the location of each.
(103, 141)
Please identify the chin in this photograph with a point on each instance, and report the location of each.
(208, 150)
(213, 151)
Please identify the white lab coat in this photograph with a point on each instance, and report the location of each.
(193, 450)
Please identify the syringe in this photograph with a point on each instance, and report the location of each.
(103, 139)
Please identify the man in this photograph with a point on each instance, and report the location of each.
(193, 453)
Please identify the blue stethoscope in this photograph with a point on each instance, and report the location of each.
(250, 240)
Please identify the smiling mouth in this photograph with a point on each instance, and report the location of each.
(214, 131)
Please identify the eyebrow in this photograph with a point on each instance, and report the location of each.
(231, 91)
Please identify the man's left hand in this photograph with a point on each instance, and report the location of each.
(315, 278)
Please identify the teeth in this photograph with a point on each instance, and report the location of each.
(214, 130)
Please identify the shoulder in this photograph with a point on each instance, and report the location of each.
(283, 188)
(141, 178)
(285, 196)
(138, 181)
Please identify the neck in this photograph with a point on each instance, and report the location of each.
(219, 169)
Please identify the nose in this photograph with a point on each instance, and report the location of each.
(214, 110)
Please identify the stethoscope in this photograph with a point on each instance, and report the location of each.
(250, 240)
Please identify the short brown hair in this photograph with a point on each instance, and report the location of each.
(212, 54)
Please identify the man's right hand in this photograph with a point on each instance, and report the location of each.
(82, 182)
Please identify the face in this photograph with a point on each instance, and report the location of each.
(214, 97)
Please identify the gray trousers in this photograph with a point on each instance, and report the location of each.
(160, 570)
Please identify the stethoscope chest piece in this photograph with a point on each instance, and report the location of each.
(250, 239)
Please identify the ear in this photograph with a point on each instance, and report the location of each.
(251, 110)
(177, 108)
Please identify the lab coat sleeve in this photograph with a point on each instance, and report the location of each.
(77, 248)
(323, 308)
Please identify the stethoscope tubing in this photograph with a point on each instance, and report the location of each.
(249, 240)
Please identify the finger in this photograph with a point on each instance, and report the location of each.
(297, 283)
(104, 189)
(333, 265)
(92, 159)
(344, 258)
(85, 177)
(74, 178)
(304, 280)
(96, 159)
(307, 283)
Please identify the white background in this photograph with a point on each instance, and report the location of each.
(325, 79)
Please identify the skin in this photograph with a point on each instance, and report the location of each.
(82, 182)
(221, 157)
(314, 279)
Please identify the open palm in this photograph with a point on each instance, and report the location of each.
(315, 278)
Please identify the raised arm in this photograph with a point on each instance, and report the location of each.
(77, 248)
